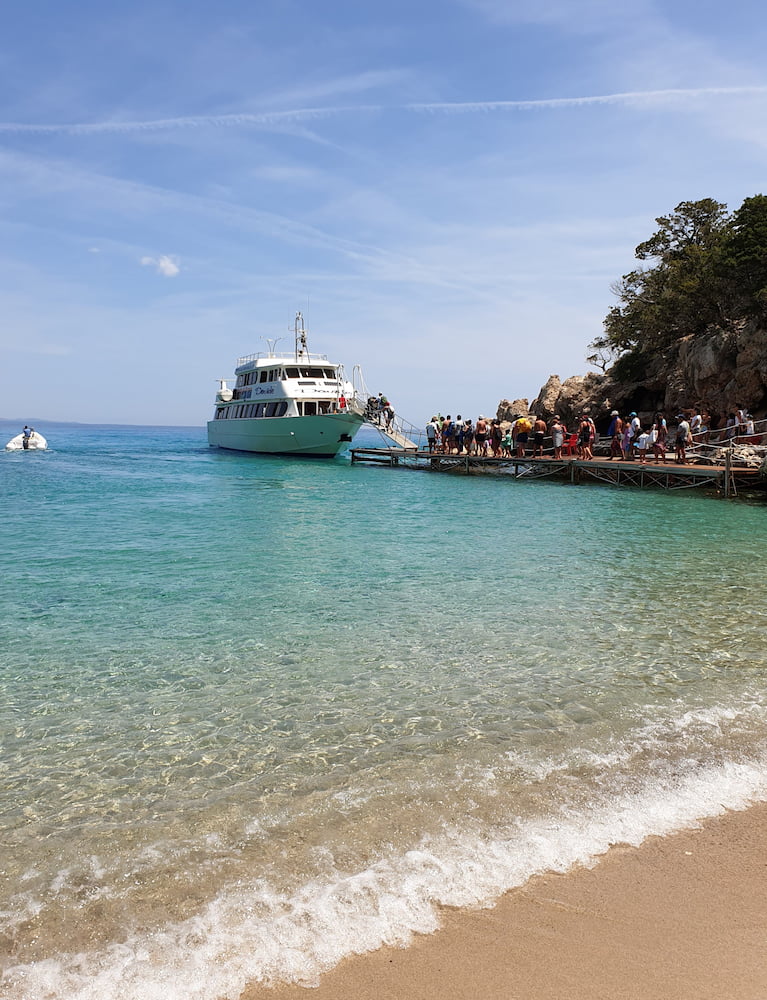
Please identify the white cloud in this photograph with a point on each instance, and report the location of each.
(166, 265)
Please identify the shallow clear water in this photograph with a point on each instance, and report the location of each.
(256, 713)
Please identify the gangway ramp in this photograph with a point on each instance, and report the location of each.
(398, 438)
(400, 432)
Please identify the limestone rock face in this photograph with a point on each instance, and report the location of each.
(570, 398)
(715, 371)
(508, 411)
(721, 370)
(546, 402)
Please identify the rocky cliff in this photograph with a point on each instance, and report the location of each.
(715, 371)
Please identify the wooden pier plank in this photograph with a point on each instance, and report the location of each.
(664, 475)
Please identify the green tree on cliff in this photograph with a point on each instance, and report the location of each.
(679, 293)
(743, 258)
(705, 268)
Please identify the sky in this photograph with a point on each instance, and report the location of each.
(446, 189)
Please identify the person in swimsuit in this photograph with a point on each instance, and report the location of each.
(584, 438)
(616, 433)
(468, 437)
(557, 436)
(496, 438)
(480, 436)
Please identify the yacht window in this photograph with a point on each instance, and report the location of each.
(329, 373)
(310, 408)
(282, 408)
(304, 381)
(292, 373)
(324, 405)
(259, 410)
(239, 382)
(264, 376)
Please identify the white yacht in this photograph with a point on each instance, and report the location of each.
(287, 404)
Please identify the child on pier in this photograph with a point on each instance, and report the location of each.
(643, 443)
(626, 441)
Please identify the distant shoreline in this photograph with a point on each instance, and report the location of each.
(42, 422)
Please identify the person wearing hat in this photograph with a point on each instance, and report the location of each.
(558, 431)
(480, 436)
(615, 430)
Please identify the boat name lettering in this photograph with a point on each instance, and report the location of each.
(265, 391)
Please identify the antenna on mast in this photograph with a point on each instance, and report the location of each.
(301, 345)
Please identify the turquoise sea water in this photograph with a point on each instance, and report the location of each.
(258, 713)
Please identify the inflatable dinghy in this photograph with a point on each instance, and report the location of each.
(36, 442)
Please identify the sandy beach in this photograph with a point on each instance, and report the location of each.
(680, 917)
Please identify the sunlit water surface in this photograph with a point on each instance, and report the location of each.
(257, 713)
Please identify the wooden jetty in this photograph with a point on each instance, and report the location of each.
(727, 479)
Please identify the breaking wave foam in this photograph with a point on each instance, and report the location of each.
(256, 934)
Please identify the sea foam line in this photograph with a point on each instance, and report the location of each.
(259, 935)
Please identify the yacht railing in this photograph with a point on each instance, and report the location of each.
(289, 357)
(395, 428)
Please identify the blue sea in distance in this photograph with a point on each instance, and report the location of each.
(259, 713)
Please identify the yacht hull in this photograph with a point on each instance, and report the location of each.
(324, 435)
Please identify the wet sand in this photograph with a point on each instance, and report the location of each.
(682, 917)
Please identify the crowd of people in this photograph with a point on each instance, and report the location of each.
(486, 437)
(380, 411)
(629, 438)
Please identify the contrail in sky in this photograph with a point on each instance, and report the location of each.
(276, 118)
